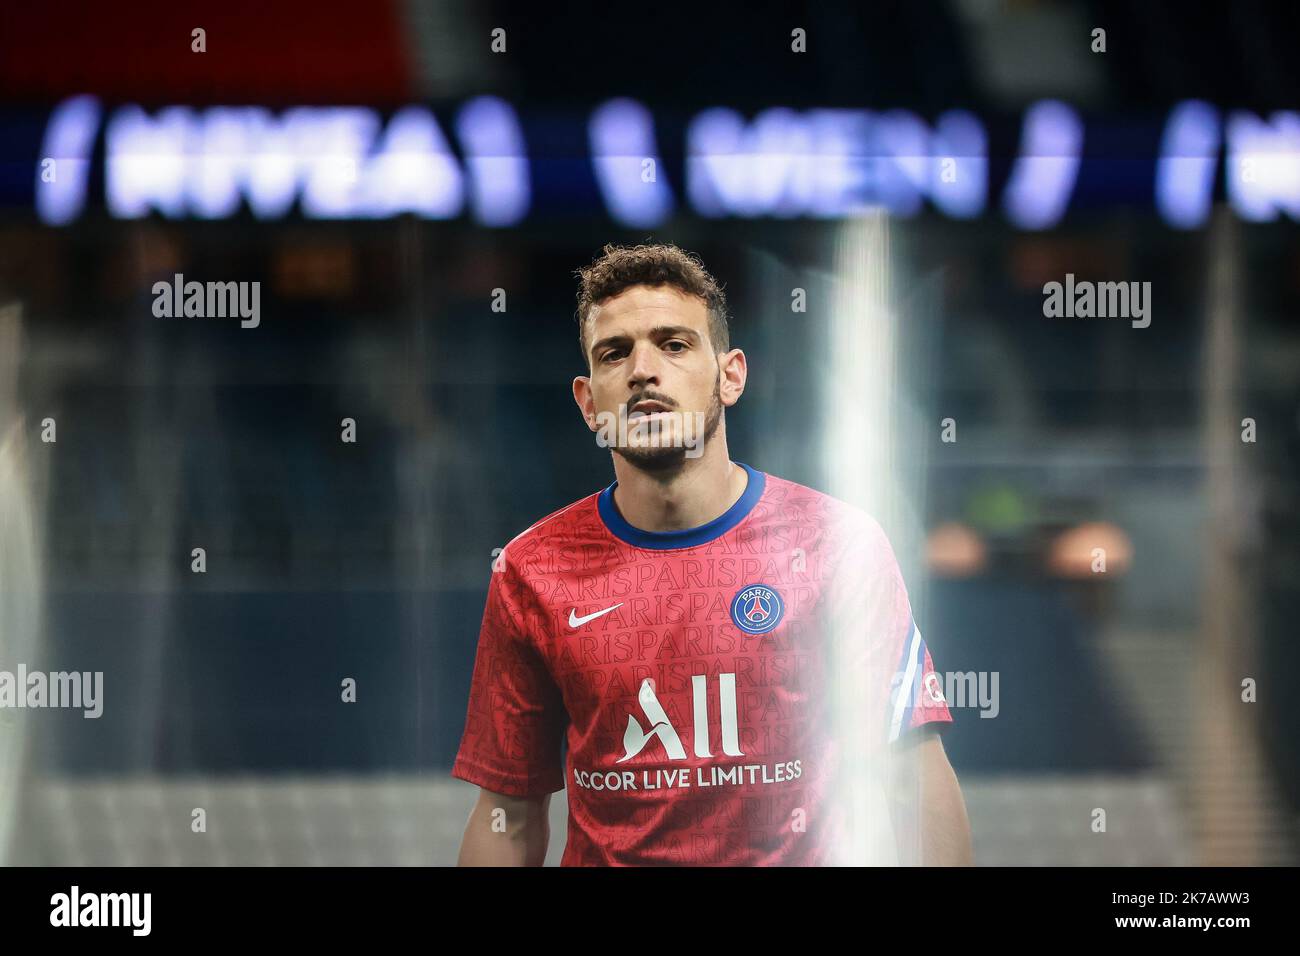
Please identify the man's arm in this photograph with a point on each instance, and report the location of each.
(515, 836)
(926, 805)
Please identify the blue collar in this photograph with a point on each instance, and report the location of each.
(686, 537)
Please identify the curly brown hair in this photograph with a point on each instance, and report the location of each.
(620, 267)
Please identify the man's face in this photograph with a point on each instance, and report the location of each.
(653, 367)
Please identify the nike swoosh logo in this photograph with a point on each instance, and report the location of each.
(575, 621)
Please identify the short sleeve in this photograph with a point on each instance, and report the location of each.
(916, 689)
(515, 721)
(887, 672)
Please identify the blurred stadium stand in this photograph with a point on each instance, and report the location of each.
(384, 820)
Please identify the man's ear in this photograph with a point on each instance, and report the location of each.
(732, 371)
(586, 403)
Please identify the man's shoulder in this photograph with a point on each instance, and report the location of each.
(564, 526)
(790, 499)
(852, 541)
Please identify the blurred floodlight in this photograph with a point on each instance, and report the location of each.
(858, 451)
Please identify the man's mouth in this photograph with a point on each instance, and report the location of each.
(647, 408)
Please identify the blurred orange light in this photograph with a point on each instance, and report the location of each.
(954, 551)
(1090, 550)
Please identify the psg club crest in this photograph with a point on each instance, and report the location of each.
(757, 609)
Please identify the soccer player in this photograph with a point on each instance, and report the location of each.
(730, 657)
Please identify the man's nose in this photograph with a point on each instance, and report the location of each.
(644, 368)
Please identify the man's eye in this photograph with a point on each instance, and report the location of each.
(610, 355)
(678, 342)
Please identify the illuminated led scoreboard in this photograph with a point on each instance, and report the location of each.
(481, 161)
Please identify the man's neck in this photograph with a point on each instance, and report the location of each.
(700, 490)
